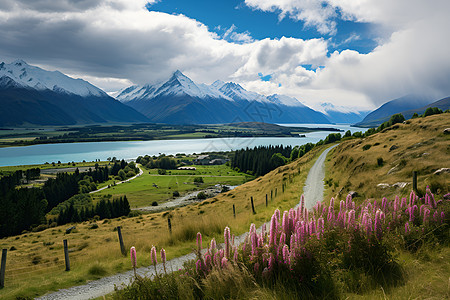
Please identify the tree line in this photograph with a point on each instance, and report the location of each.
(25, 208)
(104, 209)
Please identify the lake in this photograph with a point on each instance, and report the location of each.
(39, 154)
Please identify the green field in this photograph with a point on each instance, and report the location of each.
(151, 187)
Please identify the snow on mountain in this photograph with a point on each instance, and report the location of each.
(180, 85)
(285, 100)
(36, 78)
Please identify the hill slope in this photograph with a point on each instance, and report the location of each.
(385, 168)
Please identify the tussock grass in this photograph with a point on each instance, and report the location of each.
(419, 145)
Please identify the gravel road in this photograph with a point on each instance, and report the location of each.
(313, 190)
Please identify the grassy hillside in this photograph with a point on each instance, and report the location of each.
(382, 164)
(36, 259)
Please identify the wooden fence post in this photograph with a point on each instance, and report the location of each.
(3, 268)
(415, 181)
(169, 224)
(266, 201)
(271, 195)
(234, 211)
(66, 255)
(122, 246)
(253, 206)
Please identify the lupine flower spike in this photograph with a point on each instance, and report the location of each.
(133, 259)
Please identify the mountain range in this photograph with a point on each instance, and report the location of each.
(406, 105)
(32, 96)
(180, 100)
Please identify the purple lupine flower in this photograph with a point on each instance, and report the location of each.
(153, 256)
(213, 245)
(198, 266)
(271, 261)
(273, 228)
(407, 229)
(236, 253)
(224, 262)
(435, 216)
(208, 262)
(263, 231)
(324, 211)
(282, 239)
(163, 258)
(320, 227)
(378, 229)
(254, 243)
(252, 228)
(351, 218)
(226, 235)
(348, 201)
(217, 258)
(199, 241)
(133, 257)
(403, 203)
(426, 216)
(412, 198)
(384, 203)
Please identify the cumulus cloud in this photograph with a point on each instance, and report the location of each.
(113, 43)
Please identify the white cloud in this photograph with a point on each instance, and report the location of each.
(115, 42)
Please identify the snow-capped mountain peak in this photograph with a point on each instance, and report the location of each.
(26, 75)
(285, 100)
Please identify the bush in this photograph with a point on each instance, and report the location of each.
(154, 203)
(198, 180)
(380, 161)
(176, 194)
(162, 172)
(201, 196)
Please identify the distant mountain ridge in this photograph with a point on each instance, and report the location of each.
(338, 114)
(33, 96)
(181, 101)
(378, 116)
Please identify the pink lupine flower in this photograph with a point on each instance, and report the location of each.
(407, 229)
(403, 203)
(226, 235)
(199, 241)
(378, 229)
(212, 246)
(271, 262)
(435, 216)
(236, 253)
(426, 216)
(320, 227)
(351, 218)
(254, 243)
(282, 239)
(153, 256)
(133, 259)
(208, 262)
(216, 258)
(163, 258)
(272, 232)
(224, 262)
(412, 198)
(198, 266)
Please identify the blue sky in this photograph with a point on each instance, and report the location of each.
(357, 54)
(219, 16)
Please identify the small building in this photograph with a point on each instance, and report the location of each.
(187, 168)
(202, 160)
(218, 161)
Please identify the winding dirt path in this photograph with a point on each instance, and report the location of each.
(313, 190)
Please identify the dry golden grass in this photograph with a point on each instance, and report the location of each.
(37, 263)
(419, 145)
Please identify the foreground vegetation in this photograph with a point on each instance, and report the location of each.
(328, 252)
(36, 259)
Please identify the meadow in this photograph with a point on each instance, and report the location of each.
(151, 187)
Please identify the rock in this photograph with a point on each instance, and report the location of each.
(393, 170)
(447, 131)
(353, 194)
(442, 170)
(69, 230)
(383, 185)
(393, 147)
(400, 185)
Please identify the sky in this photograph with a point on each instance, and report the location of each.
(353, 53)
